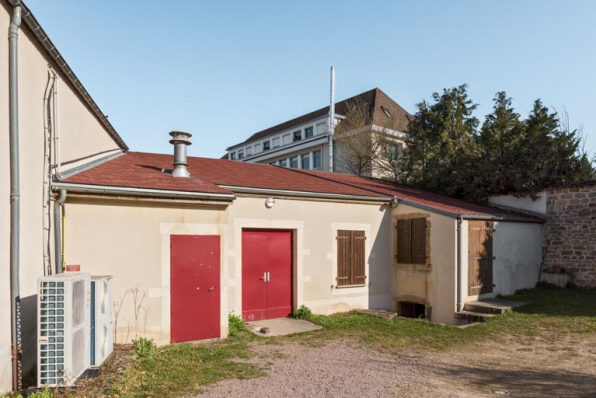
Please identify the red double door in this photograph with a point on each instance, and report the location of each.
(266, 274)
(195, 287)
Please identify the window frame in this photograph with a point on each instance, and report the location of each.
(296, 138)
(417, 226)
(320, 160)
(312, 132)
(351, 238)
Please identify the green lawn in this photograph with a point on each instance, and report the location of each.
(182, 369)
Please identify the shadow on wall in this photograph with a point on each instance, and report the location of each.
(381, 266)
(29, 331)
(518, 382)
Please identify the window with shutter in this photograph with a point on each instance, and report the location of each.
(351, 258)
(411, 241)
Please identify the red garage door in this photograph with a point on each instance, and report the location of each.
(195, 292)
(266, 274)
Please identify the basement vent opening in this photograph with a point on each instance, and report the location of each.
(411, 310)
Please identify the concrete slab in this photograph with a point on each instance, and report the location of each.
(497, 303)
(281, 327)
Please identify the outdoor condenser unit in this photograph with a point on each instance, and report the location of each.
(102, 324)
(63, 328)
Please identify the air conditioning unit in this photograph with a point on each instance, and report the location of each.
(63, 328)
(102, 323)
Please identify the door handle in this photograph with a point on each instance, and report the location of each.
(268, 277)
(264, 277)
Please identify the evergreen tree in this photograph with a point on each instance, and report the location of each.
(500, 140)
(441, 143)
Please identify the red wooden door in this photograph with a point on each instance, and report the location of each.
(195, 290)
(266, 274)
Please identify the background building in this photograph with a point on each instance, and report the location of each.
(303, 142)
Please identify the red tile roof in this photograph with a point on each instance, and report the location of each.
(144, 170)
(424, 198)
(375, 99)
(152, 171)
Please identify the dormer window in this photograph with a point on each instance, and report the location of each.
(266, 145)
(309, 132)
(387, 113)
(233, 156)
(240, 155)
(297, 136)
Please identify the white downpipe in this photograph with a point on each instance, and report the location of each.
(57, 132)
(331, 119)
(47, 170)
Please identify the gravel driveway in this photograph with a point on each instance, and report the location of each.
(534, 368)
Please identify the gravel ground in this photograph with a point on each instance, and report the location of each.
(532, 368)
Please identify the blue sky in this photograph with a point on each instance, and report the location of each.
(223, 70)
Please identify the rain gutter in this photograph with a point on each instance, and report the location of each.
(304, 194)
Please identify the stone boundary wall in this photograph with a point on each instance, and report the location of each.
(570, 233)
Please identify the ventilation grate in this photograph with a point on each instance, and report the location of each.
(51, 327)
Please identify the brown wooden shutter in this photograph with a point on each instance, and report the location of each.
(419, 241)
(358, 274)
(480, 261)
(343, 258)
(404, 241)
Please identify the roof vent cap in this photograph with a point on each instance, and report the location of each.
(180, 140)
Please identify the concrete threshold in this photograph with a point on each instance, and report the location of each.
(281, 327)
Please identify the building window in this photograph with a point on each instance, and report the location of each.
(297, 136)
(266, 145)
(411, 241)
(286, 139)
(351, 269)
(294, 162)
(316, 160)
(321, 128)
(233, 156)
(273, 163)
(394, 152)
(275, 142)
(309, 132)
(240, 155)
(248, 151)
(283, 163)
(258, 148)
(306, 161)
(387, 113)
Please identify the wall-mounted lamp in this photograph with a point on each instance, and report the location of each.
(394, 202)
(269, 203)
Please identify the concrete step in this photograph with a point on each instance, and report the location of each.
(472, 316)
(492, 306)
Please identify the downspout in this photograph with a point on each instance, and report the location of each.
(13, 107)
(331, 119)
(459, 250)
(58, 228)
(57, 132)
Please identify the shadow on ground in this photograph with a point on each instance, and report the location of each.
(519, 383)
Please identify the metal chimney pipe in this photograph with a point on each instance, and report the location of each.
(180, 140)
(331, 119)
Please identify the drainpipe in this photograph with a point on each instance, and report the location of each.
(459, 250)
(57, 132)
(13, 106)
(59, 205)
(331, 119)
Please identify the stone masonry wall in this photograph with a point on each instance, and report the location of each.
(570, 232)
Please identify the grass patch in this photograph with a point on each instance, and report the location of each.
(180, 369)
(550, 312)
(183, 369)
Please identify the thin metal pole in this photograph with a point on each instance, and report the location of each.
(331, 119)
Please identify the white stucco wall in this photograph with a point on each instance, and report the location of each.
(130, 240)
(517, 248)
(526, 203)
(436, 285)
(82, 135)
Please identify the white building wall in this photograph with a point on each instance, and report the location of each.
(537, 205)
(82, 135)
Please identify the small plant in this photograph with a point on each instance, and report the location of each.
(303, 313)
(46, 393)
(353, 312)
(144, 348)
(235, 324)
